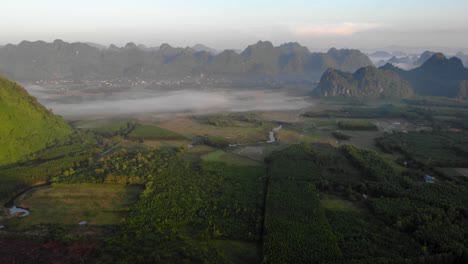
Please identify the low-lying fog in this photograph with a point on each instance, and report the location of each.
(131, 102)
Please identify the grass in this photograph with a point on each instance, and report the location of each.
(357, 125)
(289, 136)
(238, 252)
(340, 136)
(229, 158)
(336, 204)
(434, 148)
(154, 132)
(112, 127)
(71, 203)
(325, 122)
(102, 125)
(165, 143)
(237, 134)
(214, 156)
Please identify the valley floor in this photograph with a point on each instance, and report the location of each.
(341, 183)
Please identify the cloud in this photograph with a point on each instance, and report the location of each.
(341, 29)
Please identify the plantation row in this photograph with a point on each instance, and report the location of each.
(295, 227)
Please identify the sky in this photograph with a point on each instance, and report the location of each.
(224, 24)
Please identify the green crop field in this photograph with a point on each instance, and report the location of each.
(229, 158)
(337, 204)
(357, 125)
(153, 132)
(98, 204)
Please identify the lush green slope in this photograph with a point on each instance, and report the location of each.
(25, 125)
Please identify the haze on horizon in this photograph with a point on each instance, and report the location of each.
(238, 23)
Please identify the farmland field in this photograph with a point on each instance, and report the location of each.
(153, 132)
(97, 204)
(211, 189)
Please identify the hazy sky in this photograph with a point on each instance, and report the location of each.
(235, 24)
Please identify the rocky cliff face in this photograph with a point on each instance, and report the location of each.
(438, 76)
(366, 82)
(463, 89)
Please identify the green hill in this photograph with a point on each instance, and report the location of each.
(25, 125)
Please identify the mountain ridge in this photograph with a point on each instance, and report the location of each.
(437, 76)
(39, 60)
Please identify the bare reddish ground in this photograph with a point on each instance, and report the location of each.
(55, 252)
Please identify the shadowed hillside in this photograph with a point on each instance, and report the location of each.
(438, 76)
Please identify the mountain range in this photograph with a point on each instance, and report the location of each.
(26, 125)
(400, 60)
(438, 76)
(31, 61)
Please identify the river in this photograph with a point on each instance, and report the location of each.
(271, 136)
(22, 212)
(273, 133)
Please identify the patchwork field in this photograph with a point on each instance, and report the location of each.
(234, 134)
(216, 192)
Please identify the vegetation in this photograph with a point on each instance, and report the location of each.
(418, 113)
(231, 120)
(437, 102)
(150, 132)
(438, 148)
(214, 141)
(180, 204)
(121, 167)
(296, 229)
(364, 239)
(49, 163)
(71, 204)
(430, 213)
(27, 126)
(357, 125)
(340, 136)
(306, 204)
(113, 128)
